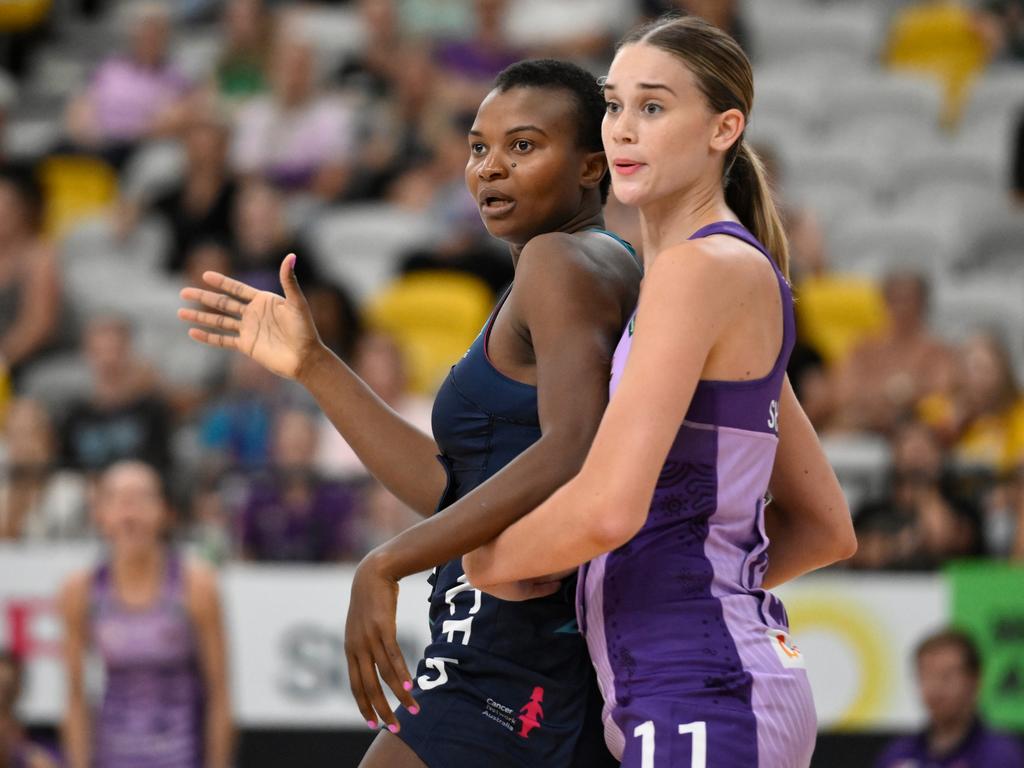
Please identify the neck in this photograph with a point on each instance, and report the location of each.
(588, 217)
(671, 220)
(136, 566)
(946, 736)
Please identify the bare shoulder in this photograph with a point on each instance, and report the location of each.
(719, 262)
(200, 583)
(588, 261)
(74, 594)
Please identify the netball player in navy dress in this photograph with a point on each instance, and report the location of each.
(155, 622)
(502, 683)
(692, 653)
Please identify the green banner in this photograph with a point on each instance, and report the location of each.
(988, 602)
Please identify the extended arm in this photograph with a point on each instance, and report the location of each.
(279, 334)
(809, 522)
(37, 317)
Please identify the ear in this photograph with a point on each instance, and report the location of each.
(595, 166)
(728, 129)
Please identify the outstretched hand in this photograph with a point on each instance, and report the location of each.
(278, 333)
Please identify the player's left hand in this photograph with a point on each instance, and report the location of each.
(371, 646)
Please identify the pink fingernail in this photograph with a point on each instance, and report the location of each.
(372, 724)
(407, 685)
(414, 710)
(292, 258)
(393, 728)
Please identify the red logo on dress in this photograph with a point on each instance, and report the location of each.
(532, 713)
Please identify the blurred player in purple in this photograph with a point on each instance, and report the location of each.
(16, 750)
(155, 622)
(692, 654)
(948, 673)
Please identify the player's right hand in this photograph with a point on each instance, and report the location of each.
(278, 333)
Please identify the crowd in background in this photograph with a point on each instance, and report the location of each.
(225, 134)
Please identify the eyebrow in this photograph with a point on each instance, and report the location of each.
(643, 86)
(517, 129)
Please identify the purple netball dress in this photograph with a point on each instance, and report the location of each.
(693, 657)
(152, 710)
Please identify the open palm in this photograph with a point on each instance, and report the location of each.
(278, 333)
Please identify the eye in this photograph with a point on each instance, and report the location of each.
(651, 108)
(476, 148)
(611, 107)
(522, 145)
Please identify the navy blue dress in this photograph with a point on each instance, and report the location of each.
(502, 684)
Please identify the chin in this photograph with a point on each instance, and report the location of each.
(629, 194)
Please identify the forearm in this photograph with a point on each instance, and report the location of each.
(24, 338)
(558, 535)
(77, 745)
(484, 513)
(399, 455)
(797, 547)
(219, 733)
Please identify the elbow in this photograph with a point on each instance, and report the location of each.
(612, 524)
(846, 544)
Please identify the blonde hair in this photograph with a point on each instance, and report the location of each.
(725, 77)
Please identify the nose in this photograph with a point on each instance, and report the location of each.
(623, 129)
(491, 167)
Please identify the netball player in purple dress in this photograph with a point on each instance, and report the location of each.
(692, 653)
(154, 620)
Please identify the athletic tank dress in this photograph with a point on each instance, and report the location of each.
(501, 684)
(693, 656)
(152, 709)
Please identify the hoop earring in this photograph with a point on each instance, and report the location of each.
(513, 165)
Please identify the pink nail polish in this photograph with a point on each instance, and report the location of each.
(372, 724)
(407, 685)
(393, 728)
(414, 710)
(293, 258)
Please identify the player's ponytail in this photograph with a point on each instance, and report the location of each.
(749, 195)
(723, 73)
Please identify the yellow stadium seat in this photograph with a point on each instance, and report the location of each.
(74, 186)
(835, 313)
(434, 316)
(938, 38)
(19, 15)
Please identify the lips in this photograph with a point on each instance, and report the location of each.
(494, 203)
(626, 167)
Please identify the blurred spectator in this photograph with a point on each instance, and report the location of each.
(30, 296)
(469, 66)
(207, 255)
(209, 528)
(1004, 516)
(296, 136)
(938, 38)
(884, 378)
(379, 362)
(948, 674)
(122, 417)
(199, 207)
(16, 751)
(132, 97)
(293, 514)
(37, 500)
(724, 14)
(1002, 25)
(984, 415)
(920, 522)
(234, 429)
(1017, 178)
(395, 79)
(262, 237)
(242, 69)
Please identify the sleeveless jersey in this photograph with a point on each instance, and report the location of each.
(516, 668)
(152, 712)
(677, 614)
